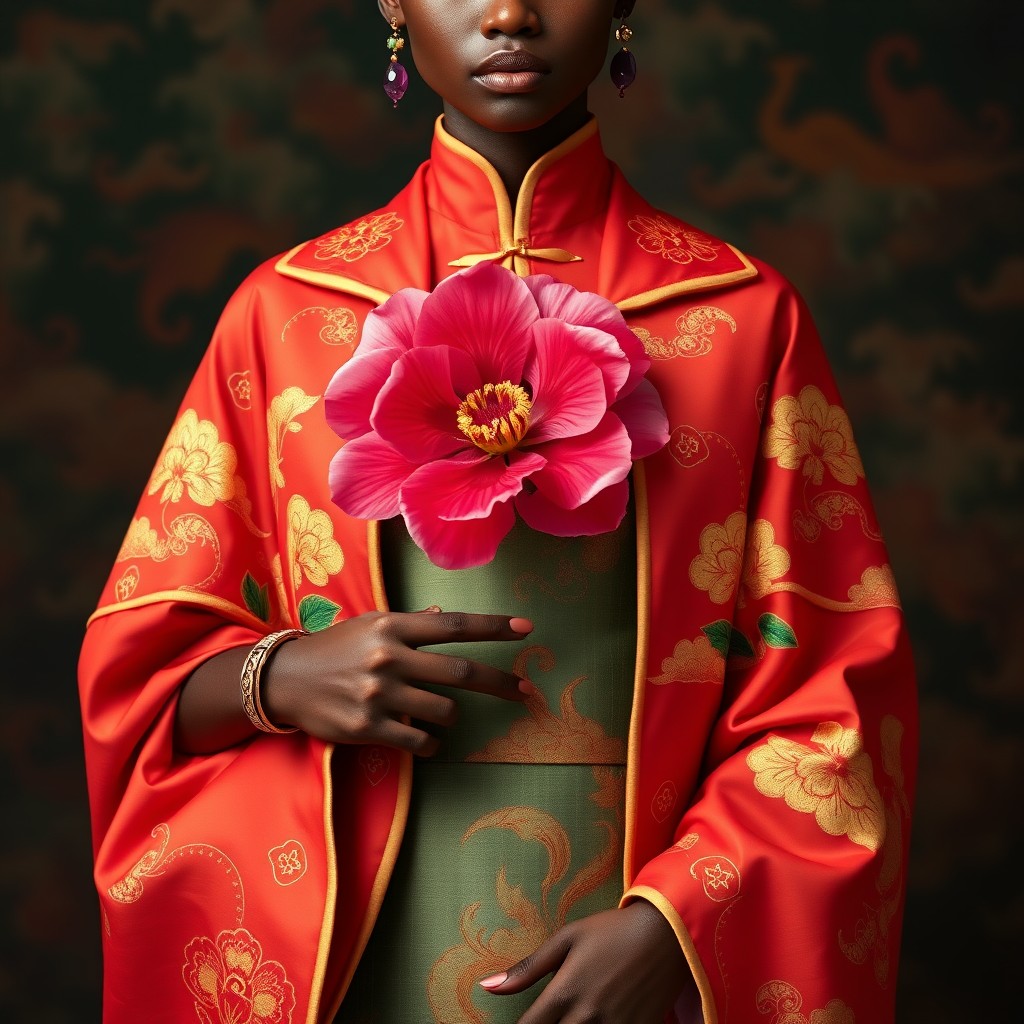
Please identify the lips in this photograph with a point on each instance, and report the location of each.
(512, 62)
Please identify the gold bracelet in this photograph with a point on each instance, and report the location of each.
(252, 669)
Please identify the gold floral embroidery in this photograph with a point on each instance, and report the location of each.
(783, 1002)
(692, 661)
(543, 737)
(281, 416)
(765, 561)
(355, 241)
(829, 509)
(653, 344)
(673, 241)
(688, 446)
(184, 531)
(129, 889)
(196, 461)
(240, 386)
(834, 783)
(288, 862)
(312, 549)
(451, 983)
(694, 331)
(871, 933)
(717, 568)
(719, 877)
(337, 325)
(809, 434)
(233, 984)
(126, 583)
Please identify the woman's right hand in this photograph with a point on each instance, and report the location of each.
(361, 680)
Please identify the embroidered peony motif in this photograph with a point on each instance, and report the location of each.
(809, 434)
(673, 241)
(233, 984)
(834, 782)
(782, 1002)
(354, 241)
(311, 544)
(730, 553)
(765, 560)
(717, 568)
(195, 461)
(490, 396)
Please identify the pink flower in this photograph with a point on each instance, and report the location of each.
(492, 395)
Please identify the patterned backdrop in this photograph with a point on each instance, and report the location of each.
(153, 152)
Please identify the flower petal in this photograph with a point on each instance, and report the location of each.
(569, 395)
(644, 417)
(391, 326)
(463, 544)
(349, 398)
(487, 312)
(466, 486)
(417, 409)
(579, 467)
(365, 477)
(601, 514)
(479, 490)
(587, 309)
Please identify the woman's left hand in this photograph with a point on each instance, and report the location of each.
(621, 966)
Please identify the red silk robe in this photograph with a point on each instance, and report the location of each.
(770, 766)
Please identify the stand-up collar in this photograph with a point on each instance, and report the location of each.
(575, 217)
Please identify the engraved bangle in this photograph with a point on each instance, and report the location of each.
(252, 670)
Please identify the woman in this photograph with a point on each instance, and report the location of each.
(750, 784)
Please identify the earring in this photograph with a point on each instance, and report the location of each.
(623, 67)
(396, 78)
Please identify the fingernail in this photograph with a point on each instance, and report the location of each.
(494, 981)
(432, 608)
(525, 686)
(521, 625)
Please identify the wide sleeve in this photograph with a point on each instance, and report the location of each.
(785, 879)
(197, 858)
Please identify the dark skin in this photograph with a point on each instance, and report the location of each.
(362, 680)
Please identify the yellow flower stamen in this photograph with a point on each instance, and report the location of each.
(495, 417)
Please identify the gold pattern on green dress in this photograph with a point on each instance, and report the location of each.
(516, 828)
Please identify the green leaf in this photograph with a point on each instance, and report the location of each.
(776, 632)
(739, 645)
(256, 598)
(718, 633)
(317, 612)
(729, 642)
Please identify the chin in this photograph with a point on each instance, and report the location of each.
(517, 112)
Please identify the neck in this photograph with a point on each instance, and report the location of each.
(512, 154)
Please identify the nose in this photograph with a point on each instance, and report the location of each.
(510, 18)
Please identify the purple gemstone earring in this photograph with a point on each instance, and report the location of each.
(396, 78)
(623, 67)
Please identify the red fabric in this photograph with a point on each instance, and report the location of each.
(769, 797)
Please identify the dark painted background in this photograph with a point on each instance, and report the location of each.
(152, 152)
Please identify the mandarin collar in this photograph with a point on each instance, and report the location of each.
(566, 187)
(575, 218)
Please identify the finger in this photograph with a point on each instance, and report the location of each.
(465, 674)
(425, 706)
(407, 737)
(544, 960)
(420, 629)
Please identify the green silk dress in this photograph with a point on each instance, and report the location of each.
(516, 825)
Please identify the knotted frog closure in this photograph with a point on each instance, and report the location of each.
(521, 247)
